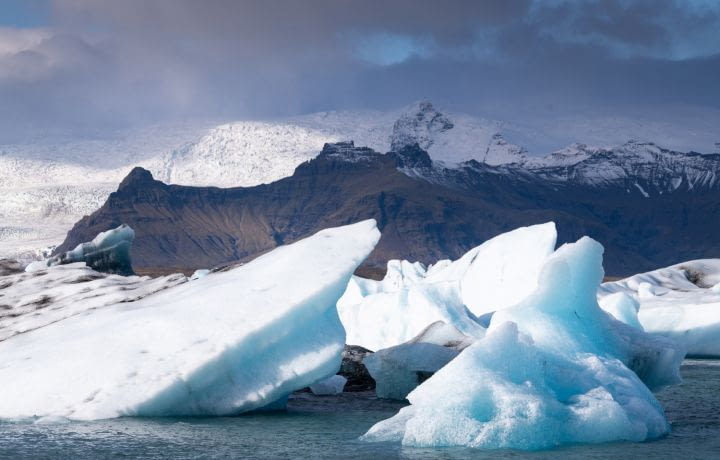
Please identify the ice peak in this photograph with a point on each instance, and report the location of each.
(419, 125)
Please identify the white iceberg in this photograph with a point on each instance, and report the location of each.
(680, 302)
(622, 307)
(330, 386)
(504, 270)
(229, 342)
(551, 370)
(400, 369)
(200, 273)
(495, 275)
(108, 252)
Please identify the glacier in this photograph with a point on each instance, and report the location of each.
(554, 369)
(495, 275)
(226, 343)
(681, 302)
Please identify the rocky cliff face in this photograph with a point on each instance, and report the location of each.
(425, 210)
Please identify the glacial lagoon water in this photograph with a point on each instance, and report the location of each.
(328, 427)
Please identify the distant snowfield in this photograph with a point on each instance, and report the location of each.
(46, 186)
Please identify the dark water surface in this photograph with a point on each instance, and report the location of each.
(328, 427)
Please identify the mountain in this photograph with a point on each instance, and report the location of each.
(427, 210)
(637, 166)
(47, 185)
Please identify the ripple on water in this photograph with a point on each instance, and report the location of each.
(328, 427)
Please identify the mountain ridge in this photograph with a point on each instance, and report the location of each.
(47, 189)
(426, 211)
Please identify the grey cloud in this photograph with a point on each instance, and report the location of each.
(112, 64)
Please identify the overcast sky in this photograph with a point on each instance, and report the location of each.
(85, 67)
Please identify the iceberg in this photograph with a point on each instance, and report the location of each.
(223, 344)
(681, 302)
(200, 273)
(554, 369)
(504, 270)
(330, 386)
(34, 300)
(108, 252)
(400, 369)
(622, 307)
(495, 275)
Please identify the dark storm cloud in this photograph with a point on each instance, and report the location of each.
(100, 65)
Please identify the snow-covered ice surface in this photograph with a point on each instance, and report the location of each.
(497, 274)
(554, 369)
(229, 342)
(680, 301)
(30, 301)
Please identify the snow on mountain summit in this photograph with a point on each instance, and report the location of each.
(46, 187)
(454, 138)
(640, 166)
(246, 153)
(419, 126)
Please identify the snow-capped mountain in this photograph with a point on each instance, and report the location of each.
(255, 152)
(427, 211)
(47, 186)
(453, 139)
(641, 167)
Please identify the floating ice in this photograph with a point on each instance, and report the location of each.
(680, 302)
(504, 270)
(108, 252)
(229, 342)
(330, 386)
(495, 275)
(386, 319)
(444, 334)
(622, 307)
(551, 370)
(400, 369)
(201, 273)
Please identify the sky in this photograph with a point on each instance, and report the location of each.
(90, 67)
